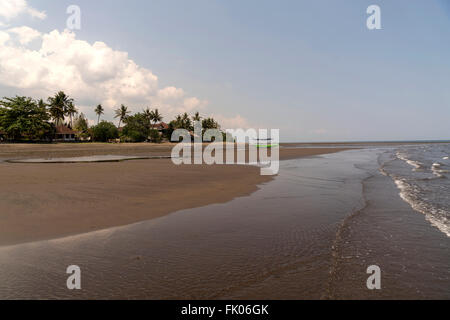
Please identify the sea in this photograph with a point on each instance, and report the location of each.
(422, 175)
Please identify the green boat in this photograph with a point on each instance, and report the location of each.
(264, 143)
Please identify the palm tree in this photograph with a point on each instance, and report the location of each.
(42, 104)
(156, 116)
(197, 117)
(122, 113)
(71, 111)
(182, 122)
(99, 111)
(178, 121)
(186, 121)
(210, 123)
(148, 116)
(58, 106)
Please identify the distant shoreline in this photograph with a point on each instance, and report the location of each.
(368, 143)
(59, 150)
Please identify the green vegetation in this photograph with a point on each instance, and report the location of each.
(71, 111)
(155, 116)
(81, 126)
(28, 120)
(122, 114)
(181, 122)
(137, 128)
(59, 106)
(23, 118)
(154, 136)
(99, 111)
(104, 131)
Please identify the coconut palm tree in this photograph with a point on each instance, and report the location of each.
(42, 104)
(210, 123)
(178, 122)
(197, 117)
(122, 113)
(58, 106)
(148, 116)
(71, 111)
(156, 116)
(99, 111)
(186, 121)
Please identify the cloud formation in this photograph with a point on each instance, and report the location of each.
(10, 9)
(40, 64)
(25, 34)
(93, 73)
(233, 122)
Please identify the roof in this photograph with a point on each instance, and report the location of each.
(64, 130)
(160, 126)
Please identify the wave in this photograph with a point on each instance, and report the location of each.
(437, 171)
(436, 216)
(416, 164)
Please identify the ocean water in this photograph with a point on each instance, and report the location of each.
(422, 175)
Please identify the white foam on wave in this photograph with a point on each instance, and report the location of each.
(445, 158)
(437, 171)
(437, 164)
(416, 164)
(436, 216)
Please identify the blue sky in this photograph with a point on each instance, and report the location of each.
(310, 68)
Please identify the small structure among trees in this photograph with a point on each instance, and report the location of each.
(65, 134)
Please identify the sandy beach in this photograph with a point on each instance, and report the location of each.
(160, 231)
(308, 233)
(47, 201)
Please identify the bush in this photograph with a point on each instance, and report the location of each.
(104, 131)
(137, 128)
(155, 136)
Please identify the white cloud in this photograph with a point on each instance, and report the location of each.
(170, 93)
(91, 73)
(36, 13)
(192, 104)
(4, 37)
(25, 34)
(10, 9)
(237, 122)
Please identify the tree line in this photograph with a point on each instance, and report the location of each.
(27, 119)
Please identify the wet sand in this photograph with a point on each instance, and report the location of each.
(61, 150)
(47, 201)
(310, 233)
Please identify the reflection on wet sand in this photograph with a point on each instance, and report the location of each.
(99, 158)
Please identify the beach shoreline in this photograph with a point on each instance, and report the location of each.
(48, 201)
(310, 233)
